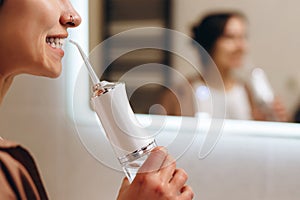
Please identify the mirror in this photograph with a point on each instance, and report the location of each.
(273, 35)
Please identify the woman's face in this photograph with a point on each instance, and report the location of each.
(230, 48)
(31, 35)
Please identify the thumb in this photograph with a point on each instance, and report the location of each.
(125, 184)
(124, 187)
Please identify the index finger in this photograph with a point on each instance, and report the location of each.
(154, 161)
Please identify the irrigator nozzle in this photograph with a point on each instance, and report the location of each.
(92, 73)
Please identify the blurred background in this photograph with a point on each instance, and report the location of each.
(273, 37)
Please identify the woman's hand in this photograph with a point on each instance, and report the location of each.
(279, 110)
(275, 112)
(157, 179)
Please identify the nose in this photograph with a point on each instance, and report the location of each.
(241, 43)
(70, 18)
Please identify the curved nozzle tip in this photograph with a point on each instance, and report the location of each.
(92, 73)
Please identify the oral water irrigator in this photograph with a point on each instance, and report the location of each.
(263, 92)
(130, 142)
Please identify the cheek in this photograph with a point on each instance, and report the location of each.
(36, 53)
(33, 58)
(221, 54)
(226, 59)
(20, 50)
(30, 48)
(227, 50)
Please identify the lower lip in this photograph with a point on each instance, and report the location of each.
(59, 51)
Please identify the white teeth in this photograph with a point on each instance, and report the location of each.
(55, 42)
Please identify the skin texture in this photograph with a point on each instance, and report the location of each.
(25, 26)
(158, 178)
(25, 43)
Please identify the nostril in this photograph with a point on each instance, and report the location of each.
(70, 19)
(71, 23)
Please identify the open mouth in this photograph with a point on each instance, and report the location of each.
(55, 42)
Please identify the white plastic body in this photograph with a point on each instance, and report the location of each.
(130, 142)
(263, 93)
(122, 129)
(261, 87)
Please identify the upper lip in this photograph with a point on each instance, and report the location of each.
(63, 36)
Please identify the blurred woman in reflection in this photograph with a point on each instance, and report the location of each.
(224, 38)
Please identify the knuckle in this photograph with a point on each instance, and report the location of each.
(190, 193)
(159, 190)
(145, 179)
(183, 174)
(169, 162)
(172, 163)
(150, 181)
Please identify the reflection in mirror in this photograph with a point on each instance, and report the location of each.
(243, 40)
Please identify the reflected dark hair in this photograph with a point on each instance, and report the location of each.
(211, 27)
(1, 2)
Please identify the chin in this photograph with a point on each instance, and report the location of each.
(236, 65)
(54, 74)
(51, 72)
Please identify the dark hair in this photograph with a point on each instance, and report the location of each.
(211, 27)
(1, 2)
